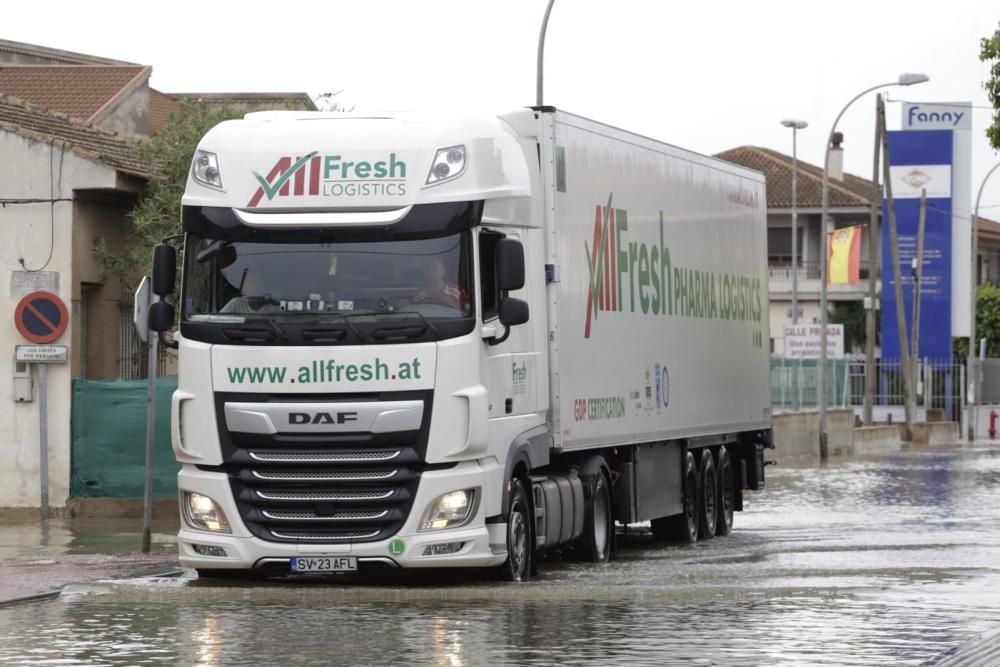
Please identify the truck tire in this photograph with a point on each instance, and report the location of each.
(682, 527)
(598, 521)
(708, 496)
(520, 540)
(727, 493)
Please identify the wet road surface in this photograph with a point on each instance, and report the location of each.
(890, 560)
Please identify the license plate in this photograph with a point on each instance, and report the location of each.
(325, 564)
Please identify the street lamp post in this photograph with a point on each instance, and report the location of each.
(796, 125)
(541, 54)
(974, 383)
(904, 80)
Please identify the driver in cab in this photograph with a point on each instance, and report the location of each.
(436, 289)
(252, 297)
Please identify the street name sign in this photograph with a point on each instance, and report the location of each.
(42, 354)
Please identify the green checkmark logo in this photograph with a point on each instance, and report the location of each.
(271, 189)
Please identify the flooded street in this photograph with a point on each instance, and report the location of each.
(882, 560)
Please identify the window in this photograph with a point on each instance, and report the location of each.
(489, 293)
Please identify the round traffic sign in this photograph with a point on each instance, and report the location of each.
(41, 317)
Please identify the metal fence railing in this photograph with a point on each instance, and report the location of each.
(779, 267)
(939, 383)
(132, 352)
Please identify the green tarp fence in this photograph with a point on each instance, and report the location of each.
(109, 439)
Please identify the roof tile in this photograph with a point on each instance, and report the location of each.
(90, 141)
(78, 90)
(851, 192)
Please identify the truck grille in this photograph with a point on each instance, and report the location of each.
(322, 486)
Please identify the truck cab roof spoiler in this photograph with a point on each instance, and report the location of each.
(323, 218)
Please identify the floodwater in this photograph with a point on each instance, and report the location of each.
(871, 561)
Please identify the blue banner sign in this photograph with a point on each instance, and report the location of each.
(919, 161)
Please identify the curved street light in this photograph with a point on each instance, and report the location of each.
(541, 54)
(975, 381)
(906, 79)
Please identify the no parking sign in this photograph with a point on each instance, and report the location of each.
(41, 317)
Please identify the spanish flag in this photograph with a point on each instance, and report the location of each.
(844, 254)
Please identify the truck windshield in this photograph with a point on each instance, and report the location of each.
(287, 282)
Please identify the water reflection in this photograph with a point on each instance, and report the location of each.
(207, 640)
(888, 560)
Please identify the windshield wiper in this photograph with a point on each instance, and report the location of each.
(323, 318)
(404, 330)
(250, 333)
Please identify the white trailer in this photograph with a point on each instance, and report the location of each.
(427, 342)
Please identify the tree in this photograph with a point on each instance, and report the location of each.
(167, 157)
(989, 52)
(987, 322)
(852, 315)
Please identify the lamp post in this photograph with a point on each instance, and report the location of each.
(904, 80)
(796, 125)
(974, 384)
(541, 53)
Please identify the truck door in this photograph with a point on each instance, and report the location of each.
(514, 365)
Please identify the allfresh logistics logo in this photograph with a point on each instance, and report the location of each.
(316, 175)
(632, 276)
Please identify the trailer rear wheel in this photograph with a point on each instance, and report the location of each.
(708, 495)
(520, 541)
(727, 493)
(682, 527)
(598, 523)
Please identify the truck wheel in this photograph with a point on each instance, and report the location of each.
(708, 495)
(598, 522)
(520, 541)
(727, 493)
(682, 527)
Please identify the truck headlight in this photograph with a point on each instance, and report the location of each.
(450, 510)
(448, 163)
(205, 169)
(202, 512)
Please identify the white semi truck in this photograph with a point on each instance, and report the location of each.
(425, 342)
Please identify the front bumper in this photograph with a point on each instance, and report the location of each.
(483, 545)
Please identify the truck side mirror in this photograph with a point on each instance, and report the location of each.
(161, 316)
(510, 264)
(512, 311)
(164, 270)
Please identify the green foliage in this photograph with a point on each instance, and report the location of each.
(987, 322)
(989, 52)
(167, 156)
(852, 315)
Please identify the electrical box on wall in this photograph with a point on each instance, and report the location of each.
(24, 388)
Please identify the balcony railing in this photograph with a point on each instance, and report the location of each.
(780, 268)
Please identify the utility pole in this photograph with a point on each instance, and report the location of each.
(918, 272)
(871, 301)
(896, 273)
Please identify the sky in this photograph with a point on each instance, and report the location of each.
(706, 76)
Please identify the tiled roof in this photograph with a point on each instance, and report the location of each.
(87, 140)
(81, 91)
(161, 106)
(251, 101)
(22, 53)
(850, 192)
